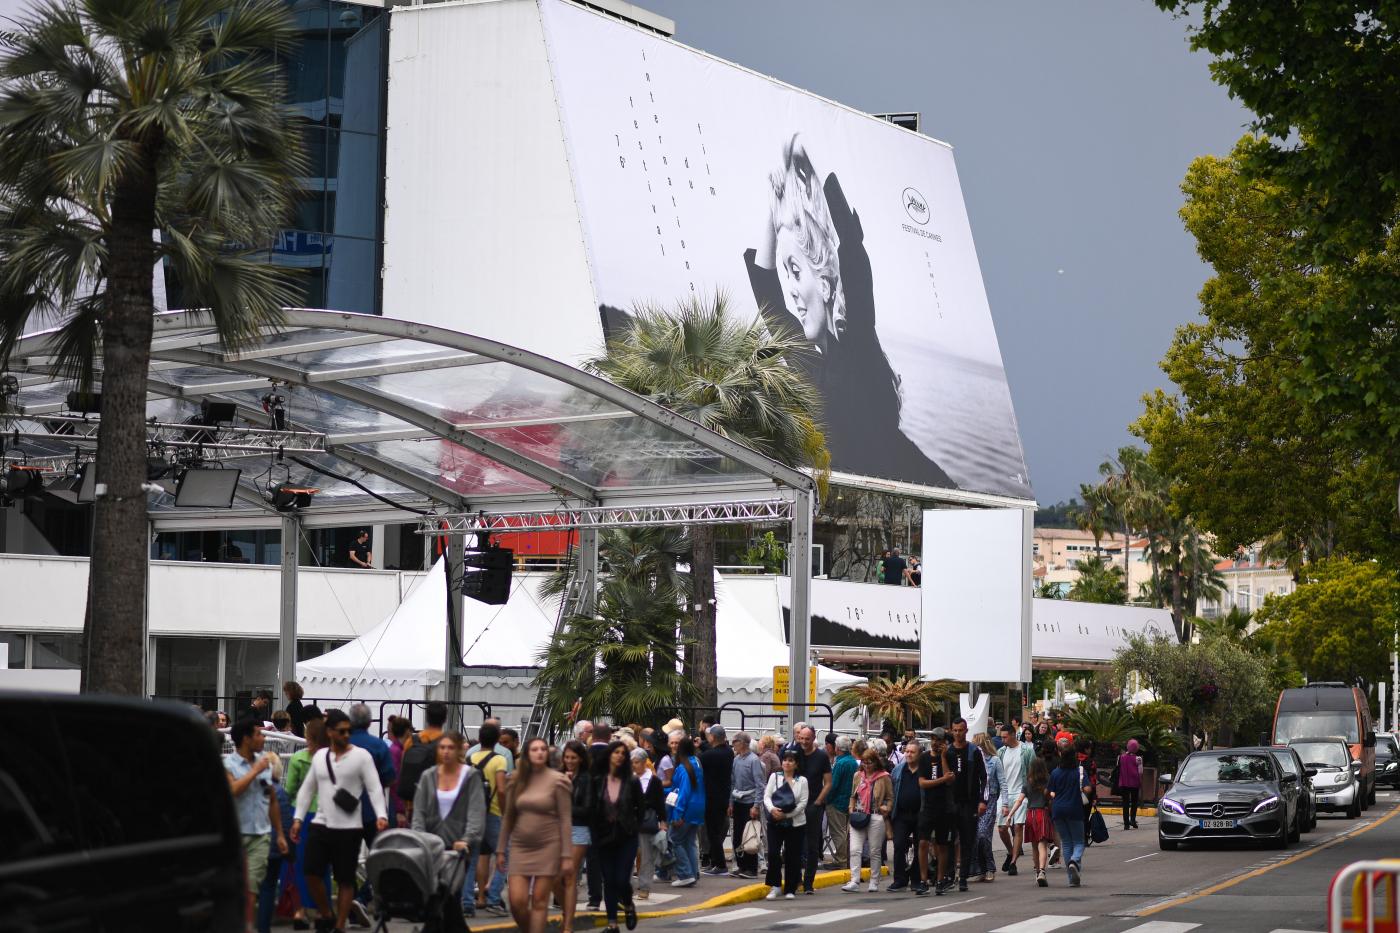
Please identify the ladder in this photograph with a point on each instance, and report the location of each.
(579, 591)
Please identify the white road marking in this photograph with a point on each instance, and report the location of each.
(1161, 926)
(1141, 857)
(659, 897)
(1286, 930)
(929, 921)
(743, 913)
(1042, 924)
(830, 916)
(959, 903)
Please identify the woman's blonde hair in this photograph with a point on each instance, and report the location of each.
(797, 202)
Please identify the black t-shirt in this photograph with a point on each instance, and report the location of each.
(717, 762)
(936, 799)
(360, 553)
(894, 569)
(909, 791)
(965, 768)
(813, 767)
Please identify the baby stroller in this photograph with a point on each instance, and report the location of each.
(413, 874)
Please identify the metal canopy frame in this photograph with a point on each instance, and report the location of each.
(666, 469)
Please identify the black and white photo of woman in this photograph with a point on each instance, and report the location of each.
(810, 273)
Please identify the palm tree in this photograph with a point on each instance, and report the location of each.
(1098, 582)
(623, 659)
(900, 700)
(737, 379)
(1129, 494)
(119, 118)
(1092, 516)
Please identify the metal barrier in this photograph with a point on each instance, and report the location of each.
(1373, 887)
(782, 718)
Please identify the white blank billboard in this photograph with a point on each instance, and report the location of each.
(550, 168)
(976, 595)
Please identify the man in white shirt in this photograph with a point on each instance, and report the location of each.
(338, 776)
(250, 777)
(1015, 757)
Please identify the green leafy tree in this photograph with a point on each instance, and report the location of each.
(1098, 582)
(624, 659)
(1241, 451)
(120, 118)
(766, 552)
(1340, 624)
(1220, 686)
(737, 379)
(1323, 80)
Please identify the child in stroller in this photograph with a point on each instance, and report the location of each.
(416, 878)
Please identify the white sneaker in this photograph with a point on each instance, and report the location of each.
(773, 894)
(874, 886)
(790, 897)
(683, 882)
(851, 886)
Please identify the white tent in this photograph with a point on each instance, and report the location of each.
(401, 658)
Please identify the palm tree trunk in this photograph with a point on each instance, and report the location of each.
(1127, 579)
(703, 672)
(1178, 616)
(112, 643)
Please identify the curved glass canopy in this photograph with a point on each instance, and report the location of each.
(425, 417)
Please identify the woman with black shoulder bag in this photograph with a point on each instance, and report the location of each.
(785, 800)
(872, 798)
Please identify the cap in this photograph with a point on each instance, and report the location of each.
(940, 733)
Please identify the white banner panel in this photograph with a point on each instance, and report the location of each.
(693, 175)
(976, 595)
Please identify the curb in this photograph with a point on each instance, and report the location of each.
(740, 895)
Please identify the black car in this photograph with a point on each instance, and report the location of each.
(1288, 759)
(1229, 793)
(1387, 761)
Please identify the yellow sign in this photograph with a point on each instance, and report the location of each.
(782, 685)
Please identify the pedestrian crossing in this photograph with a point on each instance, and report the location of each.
(772, 918)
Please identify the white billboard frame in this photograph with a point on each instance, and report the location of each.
(976, 595)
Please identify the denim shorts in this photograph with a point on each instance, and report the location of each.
(582, 836)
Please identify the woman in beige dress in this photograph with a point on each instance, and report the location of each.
(537, 824)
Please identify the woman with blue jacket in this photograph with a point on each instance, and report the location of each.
(685, 806)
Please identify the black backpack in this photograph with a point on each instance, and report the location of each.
(419, 758)
(481, 770)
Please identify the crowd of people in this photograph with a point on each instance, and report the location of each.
(617, 811)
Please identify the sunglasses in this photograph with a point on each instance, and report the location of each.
(343, 730)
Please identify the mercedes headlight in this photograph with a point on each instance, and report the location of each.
(1171, 806)
(1265, 805)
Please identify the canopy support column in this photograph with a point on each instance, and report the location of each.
(455, 563)
(287, 625)
(800, 634)
(587, 572)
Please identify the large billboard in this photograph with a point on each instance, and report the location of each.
(550, 168)
(695, 175)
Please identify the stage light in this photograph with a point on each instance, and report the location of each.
(85, 403)
(285, 497)
(202, 488)
(276, 407)
(24, 481)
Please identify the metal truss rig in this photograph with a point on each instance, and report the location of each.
(755, 511)
(213, 441)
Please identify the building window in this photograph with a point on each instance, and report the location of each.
(16, 645)
(188, 669)
(250, 665)
(58, 652)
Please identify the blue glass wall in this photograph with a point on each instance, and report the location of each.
(336, 78)
(336, 82)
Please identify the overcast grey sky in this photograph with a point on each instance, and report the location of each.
(1073, 124)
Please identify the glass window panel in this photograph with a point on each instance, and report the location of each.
(15, 644)
(357, 185)
(58, 652)
(356, 83)
(250, 665)
(461, 470)
(352, 270)
(487, 392)
(188, 669)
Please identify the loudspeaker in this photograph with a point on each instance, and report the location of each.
(487, 574)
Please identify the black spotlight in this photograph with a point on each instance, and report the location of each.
(487, 570)
(85, 403)
(288, 498)
(24, 481)
(276, 407)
